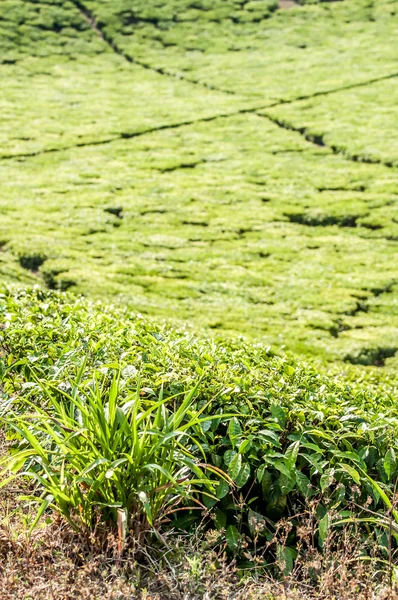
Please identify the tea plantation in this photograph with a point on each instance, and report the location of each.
(197, 196)
(225, 164)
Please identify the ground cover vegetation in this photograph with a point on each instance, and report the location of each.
(125, 425)
(228, 166)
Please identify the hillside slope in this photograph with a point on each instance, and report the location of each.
(224, 164)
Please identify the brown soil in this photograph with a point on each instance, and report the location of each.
(283, 4)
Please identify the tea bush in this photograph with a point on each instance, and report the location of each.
(283, 432)
(218, 162)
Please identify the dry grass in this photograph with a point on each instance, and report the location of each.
(54, 564)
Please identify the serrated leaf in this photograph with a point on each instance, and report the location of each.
(303, 483)
(245, 446)
(285, 557)
(235, 466)
(349, 455)
(216, 460)
(222, 489)
(208, 501)
(327, 479)
(389, 463)
(228, 456)
(220, 519)
(205, 426)
(284, 469)
(339, 495)
(234, 431)
(279, 414)
(260, 472)
(287, 483)
(243, 476)
(314, 462)
(267, 435)
(288, 370)
(352, 472)
(266, 483)
(312, 446)
(292, 453)
(352, 418)
(324, 525)
(232, 537)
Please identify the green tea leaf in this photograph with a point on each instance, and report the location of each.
(266, 483)
(228, 456)
(292, 453)
(232, 536)
(352, 472)
(327, 479)
(285, 556)
(389, 463)
(245, 446)
(303, 483)
(220, 519)
(234, 431)
(235, 466)
(222, 489)
(260, 472)
(323, 530)
(278, 413)
(243, 476)
(287, 483)
(289, 370)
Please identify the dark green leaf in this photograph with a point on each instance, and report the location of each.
(235, 466)
(324, 525)
(303, 483)
(243, 476)
(234, 431)
(278, 413)
(232, 536)
(222, 489)
(220, 519)
(389, 463)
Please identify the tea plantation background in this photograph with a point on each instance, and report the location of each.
(225, 164)
(198, 299)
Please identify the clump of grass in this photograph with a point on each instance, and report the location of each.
(98, 458)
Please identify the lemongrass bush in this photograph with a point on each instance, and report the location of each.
(98, 457)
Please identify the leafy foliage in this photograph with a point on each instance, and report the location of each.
(216, 185)
(204, 189)
(296, 436)
(96, 458)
